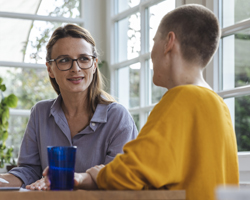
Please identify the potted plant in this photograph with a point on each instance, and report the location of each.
(5, 103)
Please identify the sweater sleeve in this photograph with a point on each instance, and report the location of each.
(148, 159)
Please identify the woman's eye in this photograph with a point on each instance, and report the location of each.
(64, 60)
(84, 59)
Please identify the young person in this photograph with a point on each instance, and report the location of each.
(188, 142)
(82, 115)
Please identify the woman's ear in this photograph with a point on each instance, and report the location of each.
(95, 65)
(50, 70)
(169, 44)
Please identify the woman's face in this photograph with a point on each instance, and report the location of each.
(76, 79)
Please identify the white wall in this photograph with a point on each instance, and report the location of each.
(94, 14)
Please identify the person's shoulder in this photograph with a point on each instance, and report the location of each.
(120, 117)
(117, 108)
(47, 102)
(117, 112)
(190, 91)
(184, 96)
(43, 105)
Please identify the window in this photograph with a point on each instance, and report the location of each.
(228, 74)
(134, 24)
(234, 66)
(23, 38)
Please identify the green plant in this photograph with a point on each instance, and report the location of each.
(5, 103)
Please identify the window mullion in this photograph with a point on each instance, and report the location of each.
(40, 17)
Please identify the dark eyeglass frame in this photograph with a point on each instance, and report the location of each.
(54, 60)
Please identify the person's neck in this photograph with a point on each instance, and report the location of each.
(74, 104)
(184, 73)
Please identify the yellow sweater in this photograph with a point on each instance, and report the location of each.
(187, 143)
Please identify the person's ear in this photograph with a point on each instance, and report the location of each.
(50, 70)
(95, 65)
(170, 40)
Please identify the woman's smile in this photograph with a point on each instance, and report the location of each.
(76, 80)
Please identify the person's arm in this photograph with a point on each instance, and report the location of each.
(29, 168)
(152, 159)
(12, 180)
(94, 171)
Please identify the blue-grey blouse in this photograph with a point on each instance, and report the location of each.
(110, 128)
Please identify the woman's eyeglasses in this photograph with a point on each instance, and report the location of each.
(65, 63)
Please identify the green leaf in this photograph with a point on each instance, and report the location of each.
(5, 125)
(5, 115)
(1, 110)
(2, 87)
(1, 137)
(11, 101)
(4, 136)
(1, 80)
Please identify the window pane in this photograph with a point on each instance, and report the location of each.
(25, 40)
(17, 126)
(155, 93)
(25, 6)
(122, 5)
(13, 35)
(235, 60)
(234, 11)
(62, 8)
(29, 85)
(156, 13)
(128, 85)
(240, 112)
(56, 8)
(34, 49)
(128, 38)
(136, 118)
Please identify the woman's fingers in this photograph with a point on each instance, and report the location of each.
(93, 171)
(46, 178)
(38, 185)
(77, 179)
(46, 171)
(95, 168)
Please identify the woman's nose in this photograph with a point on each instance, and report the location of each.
(75, 66)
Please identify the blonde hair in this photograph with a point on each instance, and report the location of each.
(96, 95)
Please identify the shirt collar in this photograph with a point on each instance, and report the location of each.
(56, 106)
(100, 115)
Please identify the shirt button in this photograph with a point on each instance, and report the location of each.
(93, 124)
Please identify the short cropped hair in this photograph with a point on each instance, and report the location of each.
(197, 30)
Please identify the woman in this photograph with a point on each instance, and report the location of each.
(82, 115)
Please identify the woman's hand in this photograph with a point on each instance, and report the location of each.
(38, 185)
(9, 180)
(46, 178)
(84, 181)
(81, 181)
(93, 171)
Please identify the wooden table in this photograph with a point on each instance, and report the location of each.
(94, 195)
